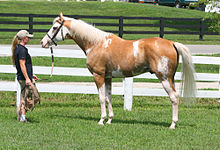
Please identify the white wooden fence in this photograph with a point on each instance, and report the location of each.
(89, 88)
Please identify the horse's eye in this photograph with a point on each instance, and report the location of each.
(54, 28)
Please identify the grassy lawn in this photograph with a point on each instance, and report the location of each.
(103, 9)
(70, 121)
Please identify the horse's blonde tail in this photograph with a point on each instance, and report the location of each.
(13, 47)
(188, 79)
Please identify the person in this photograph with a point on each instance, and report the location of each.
(21, 59)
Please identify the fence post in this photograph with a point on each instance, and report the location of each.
(127, 82)
(201, 34)
(18, 94)
(161, 27)
(120, 32)
(30, 23)
(128, 93)
(219, 83)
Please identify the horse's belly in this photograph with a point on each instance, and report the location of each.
(123, 74)
(117, 74)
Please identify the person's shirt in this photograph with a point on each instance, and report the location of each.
(21, 52)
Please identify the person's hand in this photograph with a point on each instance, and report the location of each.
(28, 82)
(35, 77)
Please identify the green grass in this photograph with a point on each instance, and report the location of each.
(70, 121)
(102, 9)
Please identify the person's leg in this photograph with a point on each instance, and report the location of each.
(22, 112)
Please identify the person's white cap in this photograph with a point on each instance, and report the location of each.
(24, 33)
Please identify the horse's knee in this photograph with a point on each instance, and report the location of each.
(108, 99)
(102, 101)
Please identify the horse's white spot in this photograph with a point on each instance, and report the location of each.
(163, 65)
(102, 102)
(88, 51)
(117, 73)
(156, 44)
(136, 48)
(102, 92)
(107, 43)
(167, 86)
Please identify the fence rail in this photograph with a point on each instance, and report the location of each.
(194, 26)
(84, 72)
(127, 89)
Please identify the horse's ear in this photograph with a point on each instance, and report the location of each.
(61, 15)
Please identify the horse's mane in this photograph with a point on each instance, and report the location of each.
(86, 31)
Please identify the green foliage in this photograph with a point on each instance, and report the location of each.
(214, 18)
(214, 22)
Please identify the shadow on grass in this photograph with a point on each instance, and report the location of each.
(117, 121)
(30, 120)
(164, 124)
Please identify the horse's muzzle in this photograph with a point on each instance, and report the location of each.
(44, 44)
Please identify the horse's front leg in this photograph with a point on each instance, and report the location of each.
(100, 83)
(108, 91)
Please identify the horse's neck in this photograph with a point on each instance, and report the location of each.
(85, 35)
(82, 43)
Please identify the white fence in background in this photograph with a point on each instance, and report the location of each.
(89, 88)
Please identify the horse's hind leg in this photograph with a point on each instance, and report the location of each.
(108, 85)
(168, 85)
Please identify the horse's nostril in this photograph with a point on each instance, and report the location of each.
(42, 43)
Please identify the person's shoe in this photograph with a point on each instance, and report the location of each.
(25, 120)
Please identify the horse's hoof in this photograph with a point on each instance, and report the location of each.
(101, 123)
(171, 128)
(109, 122)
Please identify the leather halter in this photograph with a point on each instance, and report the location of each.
(52, 39)
(57, 31)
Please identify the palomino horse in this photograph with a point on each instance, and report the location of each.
(109, 56)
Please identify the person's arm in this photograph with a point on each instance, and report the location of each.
(24, 71)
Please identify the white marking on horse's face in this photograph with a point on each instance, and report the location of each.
(107, 42)
(46, 41)
(136, 48)
(163, 65)
(117, 73)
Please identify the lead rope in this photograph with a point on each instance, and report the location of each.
(52, 66)
(51, 50)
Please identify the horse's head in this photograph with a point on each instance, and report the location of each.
(57, 32)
